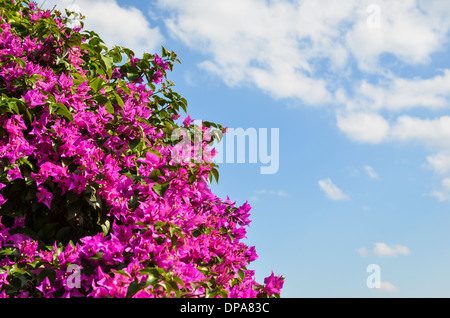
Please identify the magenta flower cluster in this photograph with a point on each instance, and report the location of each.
(84, 146)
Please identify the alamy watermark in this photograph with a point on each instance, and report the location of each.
(374, 279)
(374, 19)
(73, 279)
(237, 145)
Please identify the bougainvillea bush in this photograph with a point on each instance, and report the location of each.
(94, 201)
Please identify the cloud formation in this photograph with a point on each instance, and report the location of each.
(382, 249)
(387, 287)
(116, 25)
(264, 193)
(346, 55)
(371, 172)
(332, 191)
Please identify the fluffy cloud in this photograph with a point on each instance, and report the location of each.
(362, 251)
(364, 127)
(382, 249)
(331, 190)
(285, 47)
(397, 94)
(439, 162)
(397, 21)
(263, 193)
(265, 44)
(443, 194)
(387, 287)
(116, 25)
(371, 172)
(434, 133)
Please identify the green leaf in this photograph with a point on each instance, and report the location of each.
(179, 281)
(97, 84)
(105, 227)
(165, 52)
(172, 286)
(155, 152)
(62, 110)
(46, 272)
(47, 231)
(223, 293)
(161, 189)
(211, 295)
(133, 202)
(241, 274)
(134, 287)
(108, 62)
(97, 256)
(213, 173)
(121, 272)
(7, 251)
(109, 107)
(18, 282)
(13, 108)
(132, 76)
(155, 174)
(64, 234)
(133, 143)
(183, 104)
(152, 279)
(128, 52)
(119, 99)
(115, 54)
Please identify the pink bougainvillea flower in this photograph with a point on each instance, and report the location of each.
(18, 223)
(133, 60)
(116, 73)
(273, 284)
(46, 288)
(157, 77)
(45, 197)
(187, 121)
(158, 61)
(14, 173)
(2, 200)
(34, 98)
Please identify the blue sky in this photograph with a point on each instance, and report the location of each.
(360, 93)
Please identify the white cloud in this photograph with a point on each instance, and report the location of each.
(382, 249)
(364, 127)
(116, 25)
(362, 251)
(439, 162)
(262, 192)
(265, 43)
(282, 46)
(398, 94)
(371, 172)
(331, 190)
(443, 194)
(398, 21)
(433, 133)
(281, 193)
(387, 287)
